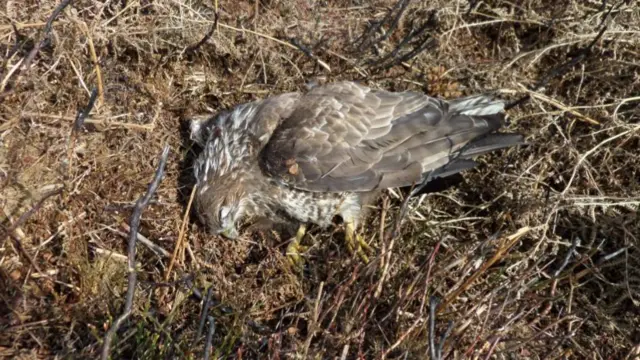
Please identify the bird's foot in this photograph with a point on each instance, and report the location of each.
(294, 249)
(356, 244)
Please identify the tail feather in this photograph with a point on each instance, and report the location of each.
(452, 168)
(485, 116)
(490, 143)
(466, 128)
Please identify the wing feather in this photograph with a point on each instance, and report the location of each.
(347, 137)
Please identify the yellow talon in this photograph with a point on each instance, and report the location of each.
(358, 245)
(295, 248)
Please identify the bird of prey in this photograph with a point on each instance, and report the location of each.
(307, 157)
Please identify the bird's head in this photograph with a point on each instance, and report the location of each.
(221, 206)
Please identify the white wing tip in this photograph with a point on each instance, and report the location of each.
(491, 108)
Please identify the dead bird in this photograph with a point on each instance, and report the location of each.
(308, 157)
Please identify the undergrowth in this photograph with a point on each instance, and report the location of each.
(534, 254)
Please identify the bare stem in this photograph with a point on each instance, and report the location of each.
(141, 204)
(210, 332)
(36, 49)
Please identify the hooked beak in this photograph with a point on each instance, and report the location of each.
(230, 233)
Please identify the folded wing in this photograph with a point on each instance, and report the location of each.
(347, 137)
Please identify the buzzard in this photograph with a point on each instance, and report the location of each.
(309, 157)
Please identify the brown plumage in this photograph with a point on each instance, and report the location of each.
(309, 157)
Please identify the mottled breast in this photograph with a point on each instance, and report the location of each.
(318, 208)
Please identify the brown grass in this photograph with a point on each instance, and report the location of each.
(533, 255)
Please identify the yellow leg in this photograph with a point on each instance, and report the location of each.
(294, 249)
(355, 243)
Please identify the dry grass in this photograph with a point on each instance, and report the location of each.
(566, 285)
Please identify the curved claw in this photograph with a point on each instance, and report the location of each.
(357, 244)
(294, 249)
(294, 254)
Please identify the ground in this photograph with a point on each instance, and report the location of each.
(534, 254)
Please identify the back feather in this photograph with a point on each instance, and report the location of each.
(347, 137)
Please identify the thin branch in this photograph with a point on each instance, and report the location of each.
(563, 68)
(205, 311)
(443, 339)
(565, 262)
(435, 349)
(433, 304)
(394, 23)
(559, 105)
(141, 204)
(426, 44)
(593, 150)
(212, 330)
(94, 58)
(78, 124)
(27, 214)
(418, 319)
(392, 58)
(104, 121)
(192, 48)
(159, 251)
(403, 209)
(22, 251)
(16, 47)
(305, 50)
(473, 4)
(183, 227)
(309, 53)
(36, 49)
(366, 40)
(506, 244)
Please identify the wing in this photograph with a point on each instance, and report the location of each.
(260, 118)
(347, 137)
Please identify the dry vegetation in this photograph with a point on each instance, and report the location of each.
(532, 255)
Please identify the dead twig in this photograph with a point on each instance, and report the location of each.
(78, 124)
(212, 329)
(309, 53)
(366, 39)
(418, 36)
(97, 121)
(14, 50)
(507, 244)
(192, 48)
(36, 49)
(433, 304)
(183, 227)
(27, 214)
(159, 251)
(22, 251)
(141, 204)
(567, 257)
(23, 218)
(562, 69)
(395, 231)
(418, 319)
(443, 339)
(205, 311)
(435, 349)
(94, 59)
(561, 106)
(425, 41)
